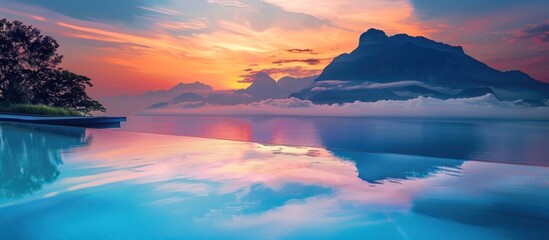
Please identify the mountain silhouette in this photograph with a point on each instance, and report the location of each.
(264, 87)
(293, 84)
(191, 87)
(188, 97)
(196, 94)
(178, 89)
(438, 70)
(128, 105)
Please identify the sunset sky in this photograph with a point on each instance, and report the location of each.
(130, 46)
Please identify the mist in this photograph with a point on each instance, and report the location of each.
(484, 107)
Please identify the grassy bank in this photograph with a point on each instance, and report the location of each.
(37, 110)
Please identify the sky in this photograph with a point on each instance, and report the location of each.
(131, 46)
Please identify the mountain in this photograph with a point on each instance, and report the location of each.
(191, 87)
(127, 105)
(264, 87)
(178, 89)
(196, 94)
(376, 69)
(293, 84)
(188, 97)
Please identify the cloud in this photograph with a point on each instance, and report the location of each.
(318, 89)
(161, 10)
(427, 9)
(309, 61)
(479, 107)
(185, 25)
(282, 103)
(332, 82)
(256, 15)
(538, 33)
(294, 216)
(395, 84)
(264, 15)
(229, 3)
(299, 50)
(350, 85)
(124, 11)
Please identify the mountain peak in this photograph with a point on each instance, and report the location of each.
(188, 87)
(382, 59)
(263, 87)
(372, 36)
(421, 41)
(262, 77)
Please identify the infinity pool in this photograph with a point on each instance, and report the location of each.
(72, 183)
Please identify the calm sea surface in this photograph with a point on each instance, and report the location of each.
(285, 178)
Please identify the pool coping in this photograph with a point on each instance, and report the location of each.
(88, 122)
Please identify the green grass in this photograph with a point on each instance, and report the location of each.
(37, 110)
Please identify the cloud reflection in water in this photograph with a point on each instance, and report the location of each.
(181, 186)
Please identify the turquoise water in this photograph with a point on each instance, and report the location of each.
(71, 183)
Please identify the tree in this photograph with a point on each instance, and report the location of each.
(29, 71)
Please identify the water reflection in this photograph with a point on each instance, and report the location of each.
(30, 155)
(497, 141)
(522, 213)
(179, 187)
(375, 168)
(411, 137)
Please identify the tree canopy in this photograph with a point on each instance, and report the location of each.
(30, 72)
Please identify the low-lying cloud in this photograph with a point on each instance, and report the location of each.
(349, 85)
(486, 106)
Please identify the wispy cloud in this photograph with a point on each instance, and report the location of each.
(162, 10)
(309, 61)
(538, 33)
(230, 3)
(124, 11)
(184, 25)
(299, 50)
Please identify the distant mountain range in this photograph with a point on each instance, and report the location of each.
(127, 105)
(263, 87)
(178, 89)
(403, 67)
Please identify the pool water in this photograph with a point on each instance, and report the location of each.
(521, 142)
(73, 183)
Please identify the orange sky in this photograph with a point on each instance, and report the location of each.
(219, 41)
